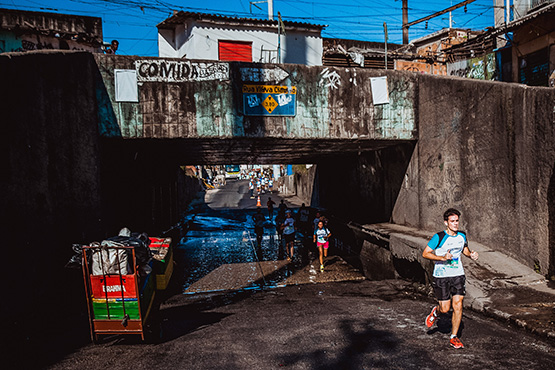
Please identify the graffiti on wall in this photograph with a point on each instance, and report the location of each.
(330, 78)
(482, 68)
(274, 75)
(421, 67)
(156, 70)
(25, 43)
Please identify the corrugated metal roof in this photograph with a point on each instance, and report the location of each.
(223, 19)
(519, 22)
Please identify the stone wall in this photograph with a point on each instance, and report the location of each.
(363, 187)
(488, 149)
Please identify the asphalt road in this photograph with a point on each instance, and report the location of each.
(332, 325)
(347, 325)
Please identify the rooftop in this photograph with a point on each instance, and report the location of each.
(216, 19)
(61, 25)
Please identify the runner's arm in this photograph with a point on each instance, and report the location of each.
(471, 254)
(430, 254)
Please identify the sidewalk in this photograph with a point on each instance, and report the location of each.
(497, 285)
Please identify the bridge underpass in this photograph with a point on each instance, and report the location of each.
(219, 251)
(352, 180)
(484, 147)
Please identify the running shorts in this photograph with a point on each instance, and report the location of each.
(289, 237)
(446, 287)
(325, 245)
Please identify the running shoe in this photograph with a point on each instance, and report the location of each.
(432, 317)
(456, 343)
(321, 268)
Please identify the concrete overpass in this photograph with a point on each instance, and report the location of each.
(215, 112)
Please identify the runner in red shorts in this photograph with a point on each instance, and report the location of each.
(321, 238)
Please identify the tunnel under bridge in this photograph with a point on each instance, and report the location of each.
(80, 155)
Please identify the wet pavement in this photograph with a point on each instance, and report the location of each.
(219, 251)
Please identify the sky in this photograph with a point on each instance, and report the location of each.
(133, 22)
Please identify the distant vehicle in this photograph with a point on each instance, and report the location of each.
(232, 171)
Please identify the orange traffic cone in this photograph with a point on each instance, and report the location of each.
(258, 202)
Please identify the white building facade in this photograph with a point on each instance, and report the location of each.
(198, 36)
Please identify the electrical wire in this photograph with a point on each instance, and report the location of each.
(357, 19)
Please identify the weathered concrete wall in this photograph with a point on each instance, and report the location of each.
(286, 185)
(50, 193)
(182, 99)
(363, 187)
(62, 183)
(488, 149)
(304, 184)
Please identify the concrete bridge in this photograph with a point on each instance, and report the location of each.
(216, 112)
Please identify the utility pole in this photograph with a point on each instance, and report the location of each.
(280, 25)
(405, 21)
(406, 25)
(385, 31)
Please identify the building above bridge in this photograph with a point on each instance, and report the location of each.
(199, 36)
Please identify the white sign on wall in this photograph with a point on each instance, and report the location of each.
(380, 93)
(126, 85)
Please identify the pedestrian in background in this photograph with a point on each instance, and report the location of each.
(321, 238)
(251, 188)
(280, 219)
(289, 235)
(304, 214)
(270, 205)
(445, 249)
(316, 220)
(259, 220)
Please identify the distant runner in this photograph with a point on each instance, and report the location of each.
(304, 214)
(270, 205)
(321, 238)
(289, 235)
(259, 220)
(445, 249)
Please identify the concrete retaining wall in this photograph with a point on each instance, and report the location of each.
(286, 185)
(488, 149)
(304, 184)
(50, 191)
(62, 183)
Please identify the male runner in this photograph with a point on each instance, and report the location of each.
(445, 249)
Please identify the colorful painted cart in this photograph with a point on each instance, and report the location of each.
(119, 298)
(162, 255)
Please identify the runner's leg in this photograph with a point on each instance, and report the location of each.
(457, 313)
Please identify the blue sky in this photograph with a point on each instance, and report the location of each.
(133, 22)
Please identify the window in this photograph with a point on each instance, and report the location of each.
(239, 51)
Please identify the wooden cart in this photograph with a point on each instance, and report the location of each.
(121, 302)
(162, 266)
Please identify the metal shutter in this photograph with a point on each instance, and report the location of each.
(240, 51)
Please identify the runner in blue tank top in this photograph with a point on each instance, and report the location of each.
(445, 249)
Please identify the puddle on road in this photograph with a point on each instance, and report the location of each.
(219, 254)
